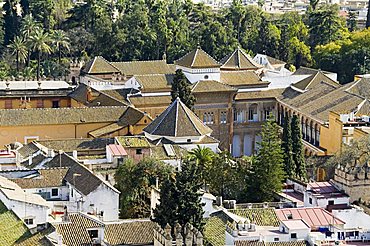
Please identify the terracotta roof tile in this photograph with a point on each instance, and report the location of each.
(140, 101)
(211, 86)
(242, 79)
(156, 82)
(313, 80)
(144, 67)
(177, 121)
(45, 178)
(130, 232)
(99, 65)
(239, 60)
(197, 58)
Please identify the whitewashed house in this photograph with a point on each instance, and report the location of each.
(32, 209)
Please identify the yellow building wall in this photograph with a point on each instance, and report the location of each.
(331, 137)
(10, 134)
(48, 102)
(358, 133)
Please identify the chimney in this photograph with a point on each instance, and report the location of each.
(89, 96)
(30, 160)
(74, 154)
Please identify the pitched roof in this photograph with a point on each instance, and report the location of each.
(211, 86)
(197, 58)
(242, 79)
(79, 144)
(239, 60)
(130, 232)
(58, 116)
(155, 82)
(253, 95)
(28, 149)
(177, 121)
(14, 192)
(37, 239)
(360, 87)
(314, 217)
(140, 101)
(74, 232)
(313, 80)
(214, 230)
(52, 177)
(144, 67)
(99, 65)
(11, 227)
(273, 61)
(258, 243)
(86, 182)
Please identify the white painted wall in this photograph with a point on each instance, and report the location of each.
(236, 151)
(26, 210)
(247, 145)
(63, 192)
(194, 75)
(323, 202)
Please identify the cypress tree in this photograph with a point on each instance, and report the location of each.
(181, 88)
(180, 200)
(289, 165)
(166, 210)
(297, 147)
(267, 172)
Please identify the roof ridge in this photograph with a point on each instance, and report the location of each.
(188, 116)
(139, 61)
(209, 56)
(166, 112)
(64, 108)
(177, 114)
(194, 57)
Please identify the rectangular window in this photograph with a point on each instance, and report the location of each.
(28, 221)
(211, 118)
(8, 104)
(205, 118)
(93, 233)
(55, 104)
(331, 202)
(276, 239)
(40, 103)
(310, 200)
(54, 192)
(250, 114)
(139, 151)
(223, 117)
(293, 235)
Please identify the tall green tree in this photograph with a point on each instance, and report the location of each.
(203, 156)
(134, 180)
(181, 88)
(325, 25)
(40, 43)
(61, 41)
(28, 28)
(287, 146)
(19, 49)
(297, 147)
(267, 173)
(183, 198)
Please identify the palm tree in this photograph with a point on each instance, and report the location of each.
(28, 27)
(203, 157)
(60, 41)
(39, 42)
(19, 49)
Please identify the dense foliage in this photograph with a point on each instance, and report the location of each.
(135, 181)
(155, 29)
(181, 88)
(267, 172)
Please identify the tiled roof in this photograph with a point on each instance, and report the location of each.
(101, 98)
(86, 182)
(261, 216)
(249, 243)
(140, 101)
(28, 149)
(46, 178)
(322, 99)
(34, 161)
(37, 239)
(214, 231)
(257, 243)
(159, 152)
(74, 232)
(211, 86)
(144, 67)
(99, 65)
(239, 60)
(105, 130)
(79, 144)
(242, 79)
(274, 61)
(252, 95)
(314, 217)
(177, 121)
(120, 94)
(306, 70)
(155, 82)
(313, 80)
(58, 116)
(130, 232)
(133, 141)
(360, 87)
(11, 227)
(197, 58)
